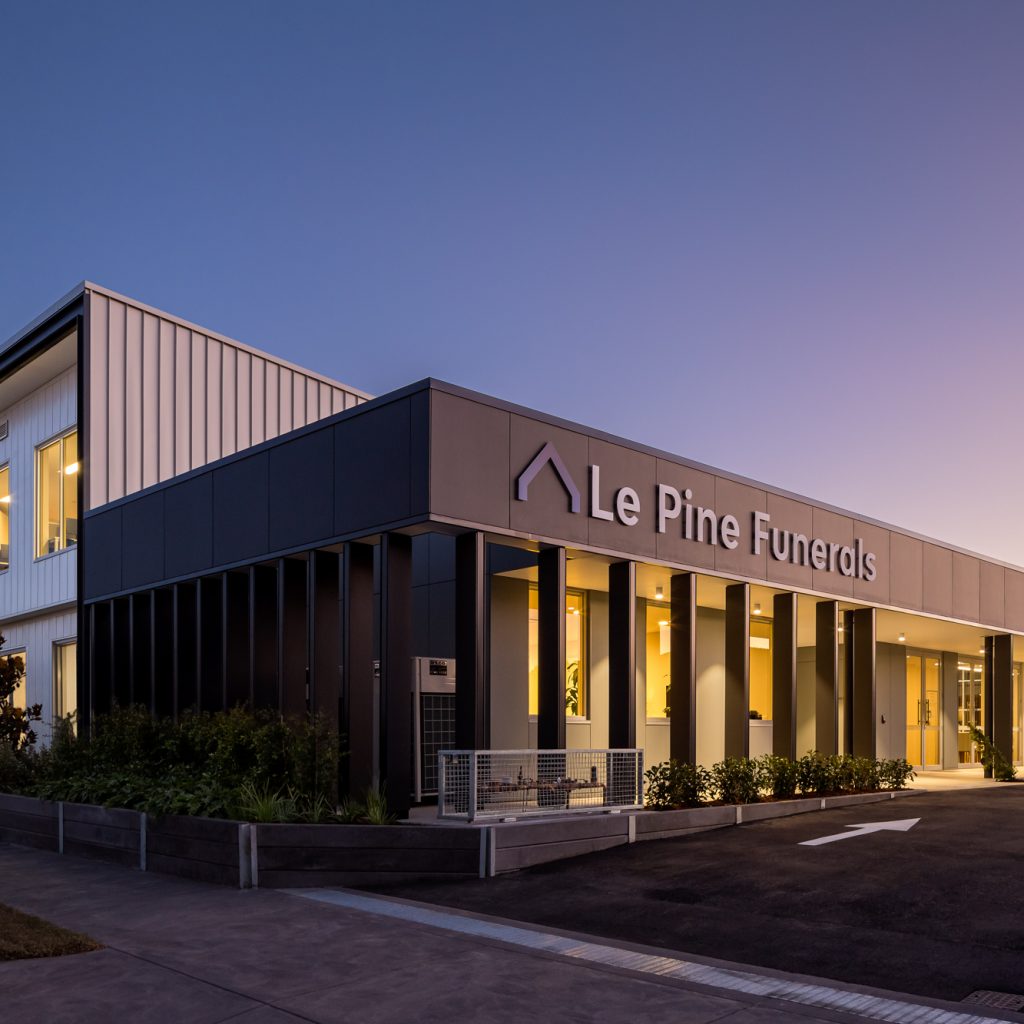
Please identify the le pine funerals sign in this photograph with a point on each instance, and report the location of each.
(671, 508)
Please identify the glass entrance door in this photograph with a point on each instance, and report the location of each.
(970, 705)
(924, 674)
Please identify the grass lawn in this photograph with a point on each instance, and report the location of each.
(23, 936)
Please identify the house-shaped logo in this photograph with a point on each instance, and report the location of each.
(540, 460)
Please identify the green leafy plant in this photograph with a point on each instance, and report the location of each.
(16, 723)
(572, 688)
(376, 805)
(778, 776)
(895, 773)
(736, 781)
(676, 784)
(993, 758)
(261, 804)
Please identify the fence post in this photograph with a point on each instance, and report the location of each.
(142, 840)
(245, 861)
(254, 857)
(471, 795)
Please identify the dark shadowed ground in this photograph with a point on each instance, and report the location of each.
(936, 911)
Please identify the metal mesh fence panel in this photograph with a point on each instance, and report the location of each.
(517, 783)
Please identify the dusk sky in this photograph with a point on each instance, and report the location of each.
(782, 238)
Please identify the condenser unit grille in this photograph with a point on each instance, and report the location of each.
(438, 725)
(3, 430)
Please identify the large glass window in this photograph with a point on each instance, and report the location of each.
(20, 692)
(575, 662)
(5, 518)
(761, 668)
(65, 678)
(659, 661)
(57, 495)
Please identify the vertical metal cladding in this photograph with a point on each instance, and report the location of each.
(174, 397)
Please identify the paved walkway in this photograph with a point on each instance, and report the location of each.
(186, 952)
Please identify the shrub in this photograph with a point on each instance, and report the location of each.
(674, 784)
(736, 780)
(16, 730)
(993, 758)
(217, 765)
(894, 773)
(778, 776)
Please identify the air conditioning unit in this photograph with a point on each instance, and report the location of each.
(433, 719)
(4, 427)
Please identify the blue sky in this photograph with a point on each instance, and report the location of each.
(784, 238)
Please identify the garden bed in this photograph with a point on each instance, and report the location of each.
(24, 937)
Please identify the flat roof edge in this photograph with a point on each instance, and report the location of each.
(658, 453)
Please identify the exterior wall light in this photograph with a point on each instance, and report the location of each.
(659, 594)
(903, 638)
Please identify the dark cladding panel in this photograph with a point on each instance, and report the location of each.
(992, 594)
(547, 510)
(469, 466)
(620, 467)
(188, 519)
(937, 580)
(906, 556)
(142, 540)
(104, 561)
(240, 509)
(372, 467)
(302, 490)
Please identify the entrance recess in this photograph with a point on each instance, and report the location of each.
(970, 708)
(924, 672)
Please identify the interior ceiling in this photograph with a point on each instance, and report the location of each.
(590, 572)
(36, 373)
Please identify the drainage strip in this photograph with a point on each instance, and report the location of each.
(897, 1011)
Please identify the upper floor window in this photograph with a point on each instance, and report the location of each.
(57, 495)
(5, 518)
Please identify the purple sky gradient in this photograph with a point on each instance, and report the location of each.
(783, 238)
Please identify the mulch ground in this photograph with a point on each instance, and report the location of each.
(23, 937)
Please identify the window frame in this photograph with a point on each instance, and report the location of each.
(13, 652)
(58, 438)
(7, 466)
(584, 683)
(55, 708)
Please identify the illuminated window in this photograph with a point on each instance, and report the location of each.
(19, 696)
(57, 495)
(5, 518)
(761, 668)
(575, 663)
(659, 657)
(65, 678)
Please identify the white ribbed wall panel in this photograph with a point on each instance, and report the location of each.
(36, 638)
(30, 583)
(166, 397)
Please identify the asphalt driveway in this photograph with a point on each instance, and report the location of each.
(937, 910)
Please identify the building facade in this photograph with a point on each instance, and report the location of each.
(296, 546)
(100, 397)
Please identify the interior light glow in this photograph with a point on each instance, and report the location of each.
(757, 609)
(71, 469)
(659, 594)
(902, 637)
(575, 611)
(5, 500)
(663, 622)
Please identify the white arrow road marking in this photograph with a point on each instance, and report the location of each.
(863, 829)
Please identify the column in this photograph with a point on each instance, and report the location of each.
(551, 648)
(292, 636)
(395, 669)
(737, 670)
(622, 655)
(359, 698)
(999, 694)
(683, 667)
(861, 684)
(472, 658)
(324, 638)
(826, 677)
(784, 622)
(846, 644)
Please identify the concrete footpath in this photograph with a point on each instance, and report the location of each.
(179, 951)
